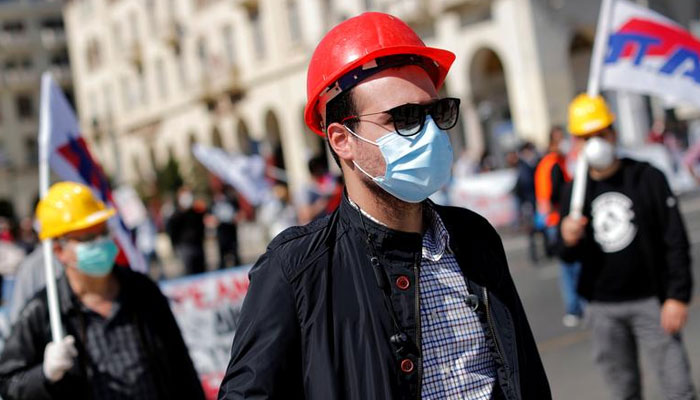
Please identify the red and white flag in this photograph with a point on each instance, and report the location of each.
(62, 144)
(649, 53)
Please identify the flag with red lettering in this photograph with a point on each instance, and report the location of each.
(70, 159)
(651, 54)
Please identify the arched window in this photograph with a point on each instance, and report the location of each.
(273, 140)
(243, 141)
(490, 99)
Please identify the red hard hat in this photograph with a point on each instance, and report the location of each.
(355, 42)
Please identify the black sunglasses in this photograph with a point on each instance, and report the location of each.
(409, 118)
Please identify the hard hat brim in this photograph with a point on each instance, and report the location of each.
(443, 59)
(91, 220)
(592, 126)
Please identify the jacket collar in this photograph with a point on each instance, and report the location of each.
(382, 238)
(69, 302)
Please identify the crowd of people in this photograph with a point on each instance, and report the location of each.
(380, 292)
(189, 219)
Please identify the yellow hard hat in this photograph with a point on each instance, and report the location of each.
(588, 115)
(68, 207)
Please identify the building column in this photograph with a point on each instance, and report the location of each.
(474, 131)
(293, 145)
(522, 65)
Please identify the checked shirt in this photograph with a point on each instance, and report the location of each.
(457, 362)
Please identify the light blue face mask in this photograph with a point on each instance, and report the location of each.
(96, 258)
(416, 166)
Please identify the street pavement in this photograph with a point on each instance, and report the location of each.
(566, 352)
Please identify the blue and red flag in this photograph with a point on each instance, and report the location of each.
(70, 159)
(649, 53)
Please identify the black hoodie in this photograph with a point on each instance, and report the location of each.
(635, 244)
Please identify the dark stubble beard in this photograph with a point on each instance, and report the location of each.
(393, 207)
(397, 209)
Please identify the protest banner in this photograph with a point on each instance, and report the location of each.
(206, 308)
(489, 194)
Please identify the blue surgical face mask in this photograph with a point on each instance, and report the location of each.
(416, 166)
(96, 258)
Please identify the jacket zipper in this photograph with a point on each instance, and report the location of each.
(416, 273)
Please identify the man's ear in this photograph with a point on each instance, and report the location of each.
(339, 139)
(58, 250)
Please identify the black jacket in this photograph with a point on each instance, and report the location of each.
(640, 248)
(315, 324)
(21, 375)
(186, 227)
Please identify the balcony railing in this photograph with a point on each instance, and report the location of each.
(16, 40)
(19, 78)
(423, 10)
(61, 73)
(409, 10)
(216, 85)
(172, 35)
(51, 38)
(135, 55)
(249, 5)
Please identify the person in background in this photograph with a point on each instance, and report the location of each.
(487, 163)
(524, 161)
(26, 238)
(277, 213)
(30, 278)
(146, 236)
(635, 256)
(226, 211)
(122, 341)
(6, 230)
(186, 230)
(322, 195)
(551, 176)
(691, 159)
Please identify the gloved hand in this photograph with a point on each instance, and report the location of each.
(59, 358)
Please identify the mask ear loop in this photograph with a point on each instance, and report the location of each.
(358, 165)
(360, 137)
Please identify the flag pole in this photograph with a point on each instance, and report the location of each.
(597, 58)
(44, 143)
(599, 46)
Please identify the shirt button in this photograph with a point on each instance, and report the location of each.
(407, 366)
(402, 282)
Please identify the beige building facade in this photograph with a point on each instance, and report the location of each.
(152, 77)
(32, 40)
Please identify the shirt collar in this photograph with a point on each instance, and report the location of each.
(436, 241)
(365, 213)
(69, 301)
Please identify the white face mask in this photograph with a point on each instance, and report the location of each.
(564, 146)
(185, 200)
(599, 152)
